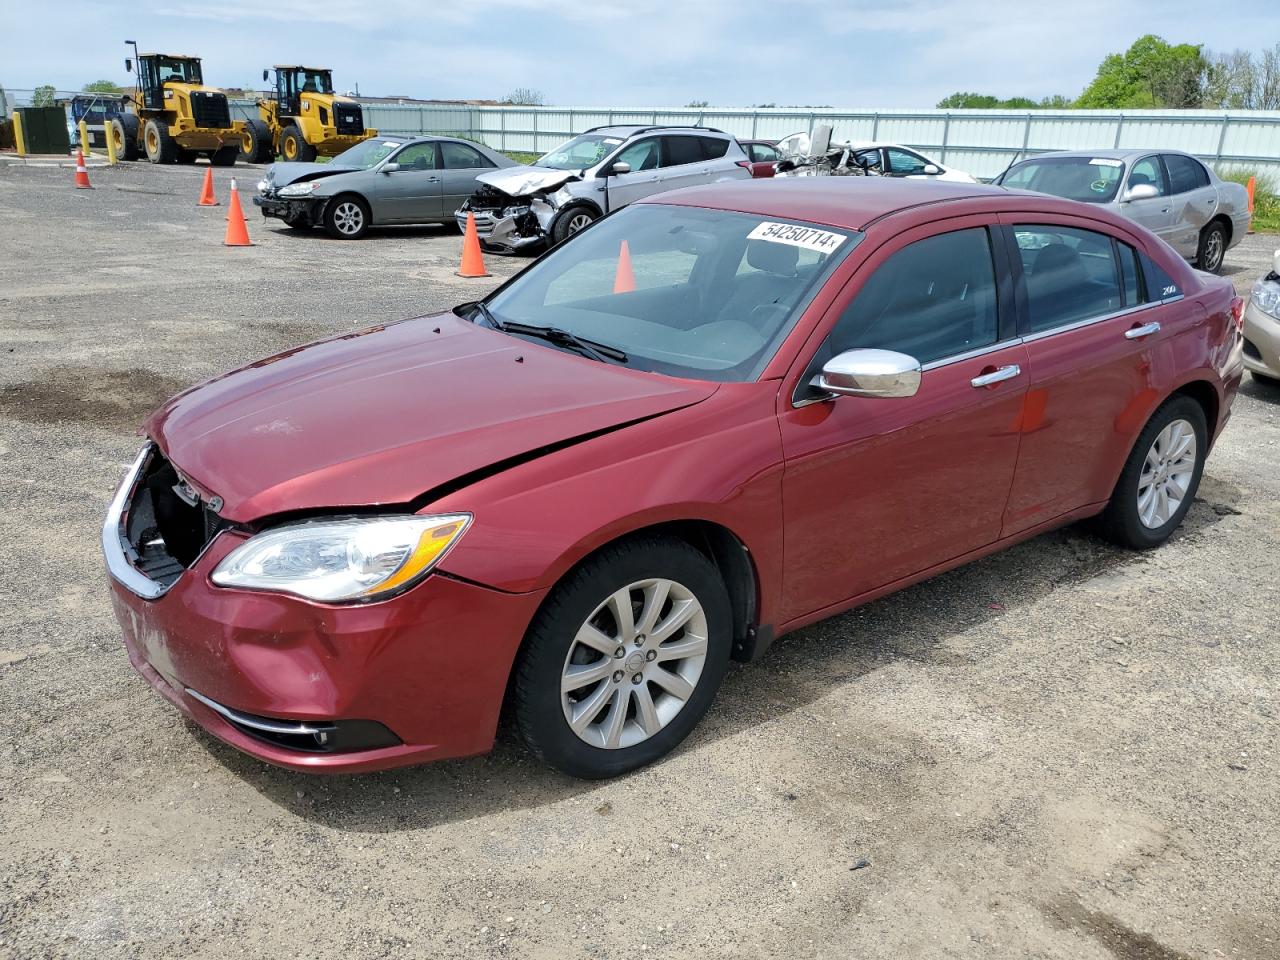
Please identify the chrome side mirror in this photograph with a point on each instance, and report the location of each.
(931, 170)
(1141, 191)
(870, 373)
(390, 167)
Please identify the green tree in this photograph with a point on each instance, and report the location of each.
(984, 101)
(697, 104)
(43, 95)
(1151, 73)
(526, 97)
(103, 86)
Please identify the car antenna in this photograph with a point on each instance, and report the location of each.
(1006, 169)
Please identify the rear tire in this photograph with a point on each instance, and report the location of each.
(635, 702)
(255, 143)
(1213, 247)
(125, 131)
(226, 157)
(1156, 474)
(186, 156)
(158, 144)
(294, 147)
(346, 217)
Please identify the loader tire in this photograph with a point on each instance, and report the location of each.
(226, 157)
(294, 147)
(124, 130)
(187, 156)
(158, 144)
(255, 143)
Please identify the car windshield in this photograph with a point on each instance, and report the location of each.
(365, 154)
(686, 291)
(580, 152)
(1093, 180)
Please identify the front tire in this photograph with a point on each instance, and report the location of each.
(294, 146)
(159, 145)
(255, 143)
(346, 217)
(1160, 478)
(1213, 247)
(570, 222)
(124, 130)
(624, 658)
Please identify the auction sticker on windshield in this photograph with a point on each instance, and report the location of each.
(823, 241)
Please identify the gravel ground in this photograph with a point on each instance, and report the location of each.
(1065, 751)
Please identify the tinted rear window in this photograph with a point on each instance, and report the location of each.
(1184, 173)
(713, 148)
(678, 150)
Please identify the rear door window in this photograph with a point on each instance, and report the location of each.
(1070, 274)
(1185, 174)
(458, 156)
(713, 148)
(762, 153)
(933, 299)
(677, 151)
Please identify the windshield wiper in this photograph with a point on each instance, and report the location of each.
(489, 318)
(563, 338)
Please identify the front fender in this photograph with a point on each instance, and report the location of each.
(718, 461)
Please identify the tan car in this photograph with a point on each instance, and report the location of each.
(1262, 327)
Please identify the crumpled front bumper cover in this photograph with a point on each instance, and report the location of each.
(496, 230)
(292, 208)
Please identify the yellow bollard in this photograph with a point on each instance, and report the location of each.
(110, 132)
(84, 139)
(19, 140)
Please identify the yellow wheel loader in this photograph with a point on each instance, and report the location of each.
(171, 116)
(302, 119)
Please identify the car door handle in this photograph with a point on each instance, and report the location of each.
(1146, 330)
(996, 376)
(433, 179)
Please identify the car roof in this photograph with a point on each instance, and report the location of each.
(846, 202)
(631, 130)
(1128, 154)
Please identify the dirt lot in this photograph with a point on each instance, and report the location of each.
(1065, 751)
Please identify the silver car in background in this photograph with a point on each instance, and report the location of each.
(593, 174)
(384, 180)
(1169, 192)
(1262, 327)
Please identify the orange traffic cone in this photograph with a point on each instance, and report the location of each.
(472, 258)
(82, 175)
(237, 233)
(1253, 185)
(207, 198)
(624, 280)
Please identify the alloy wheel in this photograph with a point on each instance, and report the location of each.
(1213, 250)
(634, 663)
(1166, 474)
(348, 218)
(579, 221)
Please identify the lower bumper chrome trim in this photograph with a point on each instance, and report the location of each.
(263, 724)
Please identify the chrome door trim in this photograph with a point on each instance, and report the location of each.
(971, 354)
(1089, 321)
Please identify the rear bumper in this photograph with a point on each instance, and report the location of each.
(418, 677)
(1262, 342)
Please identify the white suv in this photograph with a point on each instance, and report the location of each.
(592, 174)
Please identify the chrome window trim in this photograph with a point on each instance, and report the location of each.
(970, 354)
(118, 564)
(1090, 321)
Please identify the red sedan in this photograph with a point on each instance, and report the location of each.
(713, 418)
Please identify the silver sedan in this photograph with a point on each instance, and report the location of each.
(1171, 193)
(385, 180)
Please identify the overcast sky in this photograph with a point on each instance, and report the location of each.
(902, 53)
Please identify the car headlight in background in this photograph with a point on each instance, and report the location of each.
(297, 189)
(1266, 297)
(335, 561)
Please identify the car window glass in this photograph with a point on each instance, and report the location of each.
(1148, 170)
(642, 155)
(680, 150)
(762, 153)
(1130, 277)
(1160, 286)
(1071, 275)
(713, 148)
(1184, 173)
(417, 156)
(458, 156)
(869, 159)
(904, 163)
(932, 299)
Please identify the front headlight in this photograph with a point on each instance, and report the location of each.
(297, 189)
(264, 185)
(1266, 297)
(358, 558)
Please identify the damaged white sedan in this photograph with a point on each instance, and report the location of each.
(818, 155)
(593, 174)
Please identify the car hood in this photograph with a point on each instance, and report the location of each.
(285, 173)
(520, 181)
(389, 414)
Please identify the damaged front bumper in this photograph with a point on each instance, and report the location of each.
(508, 223)
(294, 210)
